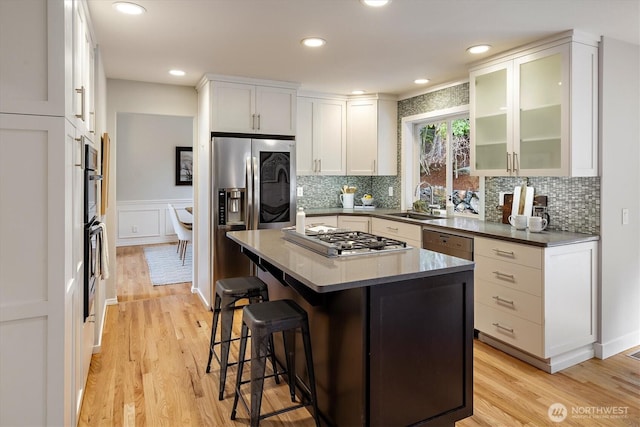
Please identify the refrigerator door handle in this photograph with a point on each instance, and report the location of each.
(249, 196)
(255, 195)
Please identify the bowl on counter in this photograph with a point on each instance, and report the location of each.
(367, 201)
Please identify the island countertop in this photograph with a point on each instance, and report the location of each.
(322, 274)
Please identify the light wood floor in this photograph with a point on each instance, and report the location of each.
(151, 372)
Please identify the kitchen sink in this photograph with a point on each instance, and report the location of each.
(415, 215)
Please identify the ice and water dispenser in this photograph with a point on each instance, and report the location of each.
(231, 206)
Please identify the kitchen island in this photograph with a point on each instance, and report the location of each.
(392, 333)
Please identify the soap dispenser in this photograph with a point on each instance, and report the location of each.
(450, 207)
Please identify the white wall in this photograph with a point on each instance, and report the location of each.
(125, 96)
(146, 156)
(619, 156)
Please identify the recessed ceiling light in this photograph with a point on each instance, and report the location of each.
(129, 8)
(375, 3)
(178, 73)
(421, 81)
(481, 48)
(357, 92)
(313, 42)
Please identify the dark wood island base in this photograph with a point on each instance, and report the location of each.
(392, 351)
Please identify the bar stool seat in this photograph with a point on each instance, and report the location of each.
(228, 292)
(263, 320)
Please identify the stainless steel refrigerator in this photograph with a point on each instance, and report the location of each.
(254, 185)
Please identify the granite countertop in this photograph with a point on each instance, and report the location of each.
(471, 227)
(322, 274)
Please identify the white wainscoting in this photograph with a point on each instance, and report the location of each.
(146, 222)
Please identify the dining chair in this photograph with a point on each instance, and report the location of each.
(185, 235)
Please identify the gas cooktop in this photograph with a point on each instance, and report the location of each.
(340, 242)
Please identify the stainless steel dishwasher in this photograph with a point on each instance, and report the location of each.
(448, 244)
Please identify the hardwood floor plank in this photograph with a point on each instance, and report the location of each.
(151, 371)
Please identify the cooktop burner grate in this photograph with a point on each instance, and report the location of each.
(343, 242)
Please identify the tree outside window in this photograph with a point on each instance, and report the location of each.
(445, 166)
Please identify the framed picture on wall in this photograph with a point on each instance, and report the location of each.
(184, 166)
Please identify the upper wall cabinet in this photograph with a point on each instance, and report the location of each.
(83, 105)
(534, 111)
(321, 140)
(245, 106)
(32, 71)
(372, 136)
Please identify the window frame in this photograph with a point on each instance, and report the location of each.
(410, 154)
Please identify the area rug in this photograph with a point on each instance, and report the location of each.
(165, 265)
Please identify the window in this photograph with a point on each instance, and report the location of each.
(444, 166)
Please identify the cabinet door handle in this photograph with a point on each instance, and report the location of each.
(81, 142)
(319, 165)
(81, 91)
(315, 165)
(515, 162)
(504, 328)
(253, 121)
(508, 162)
(258, 122)
(502, 300)
(374, 166)
(92, 122)
(392, 229)
(504, 253)
(504, 275)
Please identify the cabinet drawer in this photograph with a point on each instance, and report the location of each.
(523, 305)
(328, 221)
(397, 230)
(511, 329)
(507, 251)
(354, 223)
(514, 276)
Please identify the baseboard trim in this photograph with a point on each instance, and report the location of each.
(550, 365)
(202, 297)
(111, 301)
(618, 345)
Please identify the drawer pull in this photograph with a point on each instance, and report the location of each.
(504, 275)
(504, 253)
(502, 300)
(504, 328)
(392, 228)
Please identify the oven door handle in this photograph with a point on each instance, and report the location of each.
(95, 177)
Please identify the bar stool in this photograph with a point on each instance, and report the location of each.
(228, 292)
(264, 320)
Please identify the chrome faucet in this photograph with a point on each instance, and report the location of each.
(417, 192)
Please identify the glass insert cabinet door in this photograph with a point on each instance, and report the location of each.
(542, 85)
(491, 128)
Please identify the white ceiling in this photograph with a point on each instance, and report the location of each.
(378, 50)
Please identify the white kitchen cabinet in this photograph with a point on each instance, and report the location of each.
(409, 233)
(321, 139)
(41, 297)
(538, 304)
(372, 136)
(83, 92)
(245, 106)
(534, 111)
(35, 83)
(354, 223)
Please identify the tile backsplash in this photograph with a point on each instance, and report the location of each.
(324, 191)
(573, 203)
